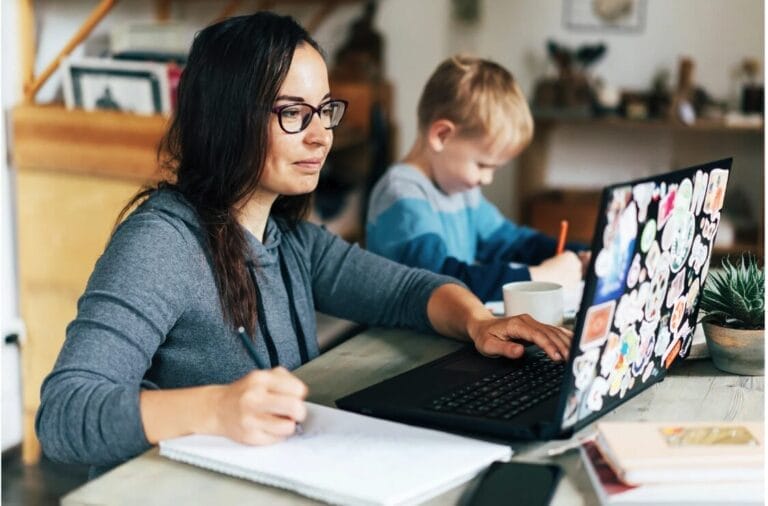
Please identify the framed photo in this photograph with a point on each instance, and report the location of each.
(104, 84)
(609, 16)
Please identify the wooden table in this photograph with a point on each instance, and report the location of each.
(694, 390)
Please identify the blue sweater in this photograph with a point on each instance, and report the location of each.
(461, 235)
(150, 318)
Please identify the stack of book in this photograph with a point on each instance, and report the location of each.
(677, 463)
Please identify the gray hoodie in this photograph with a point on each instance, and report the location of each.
(150, 317)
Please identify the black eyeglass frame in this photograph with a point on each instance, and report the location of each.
(278, 109)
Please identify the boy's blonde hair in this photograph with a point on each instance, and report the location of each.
(480, 96)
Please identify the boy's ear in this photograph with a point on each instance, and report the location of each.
(440, 131)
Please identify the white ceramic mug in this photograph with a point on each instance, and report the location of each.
(540, 299)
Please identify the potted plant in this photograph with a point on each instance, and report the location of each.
(733, 308)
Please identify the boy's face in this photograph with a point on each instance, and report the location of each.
(467, 162)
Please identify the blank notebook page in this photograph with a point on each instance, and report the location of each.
(346, 458)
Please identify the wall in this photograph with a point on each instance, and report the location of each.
(717, 34)
(9, 322)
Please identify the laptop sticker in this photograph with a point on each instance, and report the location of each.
(713, 201)
(597, 323)
(658, 289)
(648, 236)
(584, 368)
(630, 307)
(649, 370)
(699, 255)
(634, 272)
(710, 227)
(680, 232)
(699, 191)
(684, 195)
(678, 311)
(666, 206)
(686, 338)
(693, 294)
(645, 351)
(643, 193)
(652, 258)
(675, 288)
(597, 392)
(671, 353)
(610, 354)
(663, 337)
(614, 259)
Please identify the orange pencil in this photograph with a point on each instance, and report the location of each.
(561, 237)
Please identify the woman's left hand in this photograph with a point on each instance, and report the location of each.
(495, 337)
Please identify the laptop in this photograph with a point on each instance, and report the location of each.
(650, 256)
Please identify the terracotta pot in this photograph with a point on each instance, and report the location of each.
(736, 351)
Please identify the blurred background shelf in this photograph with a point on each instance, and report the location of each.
(570, 158)
(700, 125)
(113, 144)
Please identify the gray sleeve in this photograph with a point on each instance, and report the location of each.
(89, 411)
(357, 285)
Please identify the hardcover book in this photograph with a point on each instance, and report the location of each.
(658, 452)
(610, 490)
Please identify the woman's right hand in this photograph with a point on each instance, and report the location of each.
(262, 407)
(565, 269)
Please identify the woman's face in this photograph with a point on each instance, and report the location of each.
(293, 162)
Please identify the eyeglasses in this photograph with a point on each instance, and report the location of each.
(293, 118)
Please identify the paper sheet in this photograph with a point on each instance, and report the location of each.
(346, 458)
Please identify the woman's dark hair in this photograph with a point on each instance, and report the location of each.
(217, 141)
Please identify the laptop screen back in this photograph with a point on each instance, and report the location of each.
(650, 256)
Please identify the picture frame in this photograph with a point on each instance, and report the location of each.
(136, 87)
(606, 16)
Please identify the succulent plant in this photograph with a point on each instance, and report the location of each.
(734, 297)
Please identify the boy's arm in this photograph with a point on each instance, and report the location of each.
(501, 240)
(428, 251)
(410, 233)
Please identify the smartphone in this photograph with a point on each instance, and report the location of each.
(515, 483)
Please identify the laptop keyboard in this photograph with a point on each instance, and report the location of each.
(506, 394)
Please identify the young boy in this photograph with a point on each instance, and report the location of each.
(428, 211)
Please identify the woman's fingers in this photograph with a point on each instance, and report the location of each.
(495, 339)
(280, 380)
(284, 406)
(494, 347)
(555, 341)
(263, 407)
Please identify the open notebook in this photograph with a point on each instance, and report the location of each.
(346, 458)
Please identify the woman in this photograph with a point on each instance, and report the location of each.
(154, 351)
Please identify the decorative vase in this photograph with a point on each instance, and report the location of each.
(736, 351)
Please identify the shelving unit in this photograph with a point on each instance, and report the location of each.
(543, 206)
(75, 171)
(113, 144)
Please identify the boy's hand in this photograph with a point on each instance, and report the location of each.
(494, 337)
(565, 269)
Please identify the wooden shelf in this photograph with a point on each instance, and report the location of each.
(712, 125)
(103, 143)
(113, 144)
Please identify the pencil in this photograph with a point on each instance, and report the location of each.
(561, 237)
(255, 356)
(251, 349)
